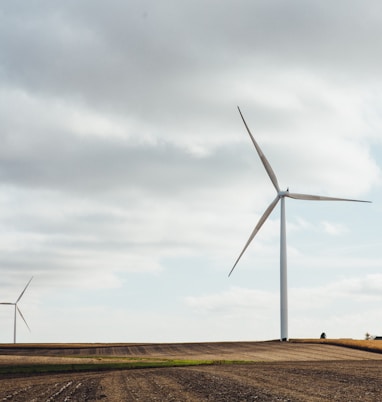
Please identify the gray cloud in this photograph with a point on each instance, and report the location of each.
(137, 56)
(68, 163)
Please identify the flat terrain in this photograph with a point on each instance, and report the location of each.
(236, 371)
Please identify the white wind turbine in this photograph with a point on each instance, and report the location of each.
(283, 252)
(17, 310)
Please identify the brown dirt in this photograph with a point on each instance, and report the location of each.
(278, 372)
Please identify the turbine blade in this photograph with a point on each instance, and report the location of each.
(318, 197)
(264, 160)
(21, 314)
(257, 228)
(21, 295)
(9, 304)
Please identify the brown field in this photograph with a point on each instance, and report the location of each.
(299, 370)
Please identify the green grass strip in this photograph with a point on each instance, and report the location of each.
(58, 368)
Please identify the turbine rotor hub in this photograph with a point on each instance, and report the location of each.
(284, 193)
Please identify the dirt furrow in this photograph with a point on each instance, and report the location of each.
(274, 385)
(144, 385)
(349, 381)
(215, 387)
(255, 351)
(50, 388)
(293, 381)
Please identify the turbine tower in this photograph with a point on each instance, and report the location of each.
(17, 310)
(281, 195)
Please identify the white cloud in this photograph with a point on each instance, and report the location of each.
(333, 228)
(311, 310)
(232, 301)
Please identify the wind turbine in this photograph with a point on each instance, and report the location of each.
(17, 310)
(281, 195)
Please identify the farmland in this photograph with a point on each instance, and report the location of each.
(310, 370)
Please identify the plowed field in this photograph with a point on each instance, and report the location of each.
(268, 371)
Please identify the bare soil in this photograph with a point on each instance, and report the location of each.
(273, 371)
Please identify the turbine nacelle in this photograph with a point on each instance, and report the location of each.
(283, 193)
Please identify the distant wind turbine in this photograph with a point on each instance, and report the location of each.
(17, 310)
(283, 252)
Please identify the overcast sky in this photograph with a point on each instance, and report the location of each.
(129, 185)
